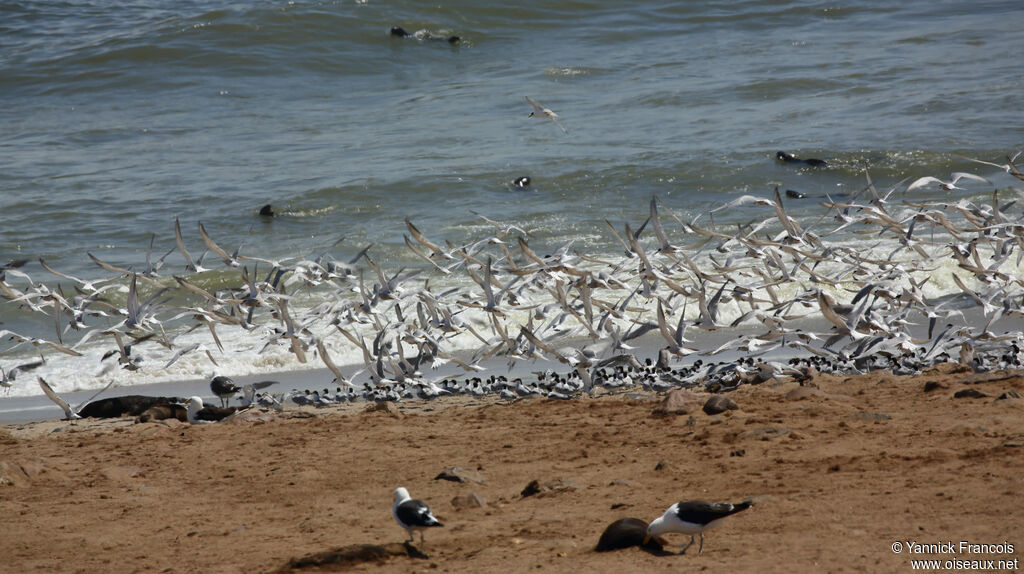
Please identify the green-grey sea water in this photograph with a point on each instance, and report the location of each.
(116, 117)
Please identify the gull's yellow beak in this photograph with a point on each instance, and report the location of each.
(647, 539)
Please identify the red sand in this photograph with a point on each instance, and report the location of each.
(839, 470)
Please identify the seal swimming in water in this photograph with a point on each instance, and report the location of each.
(267, 211)
(790, 158)
(521, 182)
(400, 32)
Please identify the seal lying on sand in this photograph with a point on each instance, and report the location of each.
(162, 412)
(128, 405)
(626, 533)
(790, 158)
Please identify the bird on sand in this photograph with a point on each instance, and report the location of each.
(540, 111)
(224, 388)
(199, 413)
(412, 514)
(693, 517)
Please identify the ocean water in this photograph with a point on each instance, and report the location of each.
(116, 118)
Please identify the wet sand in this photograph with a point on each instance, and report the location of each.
(840, 469)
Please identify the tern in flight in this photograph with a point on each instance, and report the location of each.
(540, 111)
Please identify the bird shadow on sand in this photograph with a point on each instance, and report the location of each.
(345, 557)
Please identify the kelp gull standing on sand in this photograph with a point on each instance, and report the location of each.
(412, 514)
(224, 388)
(693, 517)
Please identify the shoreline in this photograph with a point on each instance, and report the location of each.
(35, 408)
(320, 377)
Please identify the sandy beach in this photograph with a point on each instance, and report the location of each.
(840, 469)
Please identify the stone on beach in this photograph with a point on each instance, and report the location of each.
(551, 486)
(717, 404)
(459, 474)
(470, 500)
(678, 402)
(387, 407)
(969, 394)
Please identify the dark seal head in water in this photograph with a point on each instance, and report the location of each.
(267, 211)
(521, 182)
(400, 32)
(790, 158)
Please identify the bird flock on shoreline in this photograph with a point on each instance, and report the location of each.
(497, 298)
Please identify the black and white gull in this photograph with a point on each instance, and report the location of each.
(411, 514)
(693, 517)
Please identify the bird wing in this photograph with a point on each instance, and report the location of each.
(415, 513)
(195, 289)
(327, 361)
(48, 390)
(437, 251)
(108, 266)
(659, 231)
(701, 512)
(829, 313)
(958, 175)
(228, 259)
(191, 266)
(58, 273)
(180, 353)
(922, 182)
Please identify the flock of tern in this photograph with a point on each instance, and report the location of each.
(847, 289)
